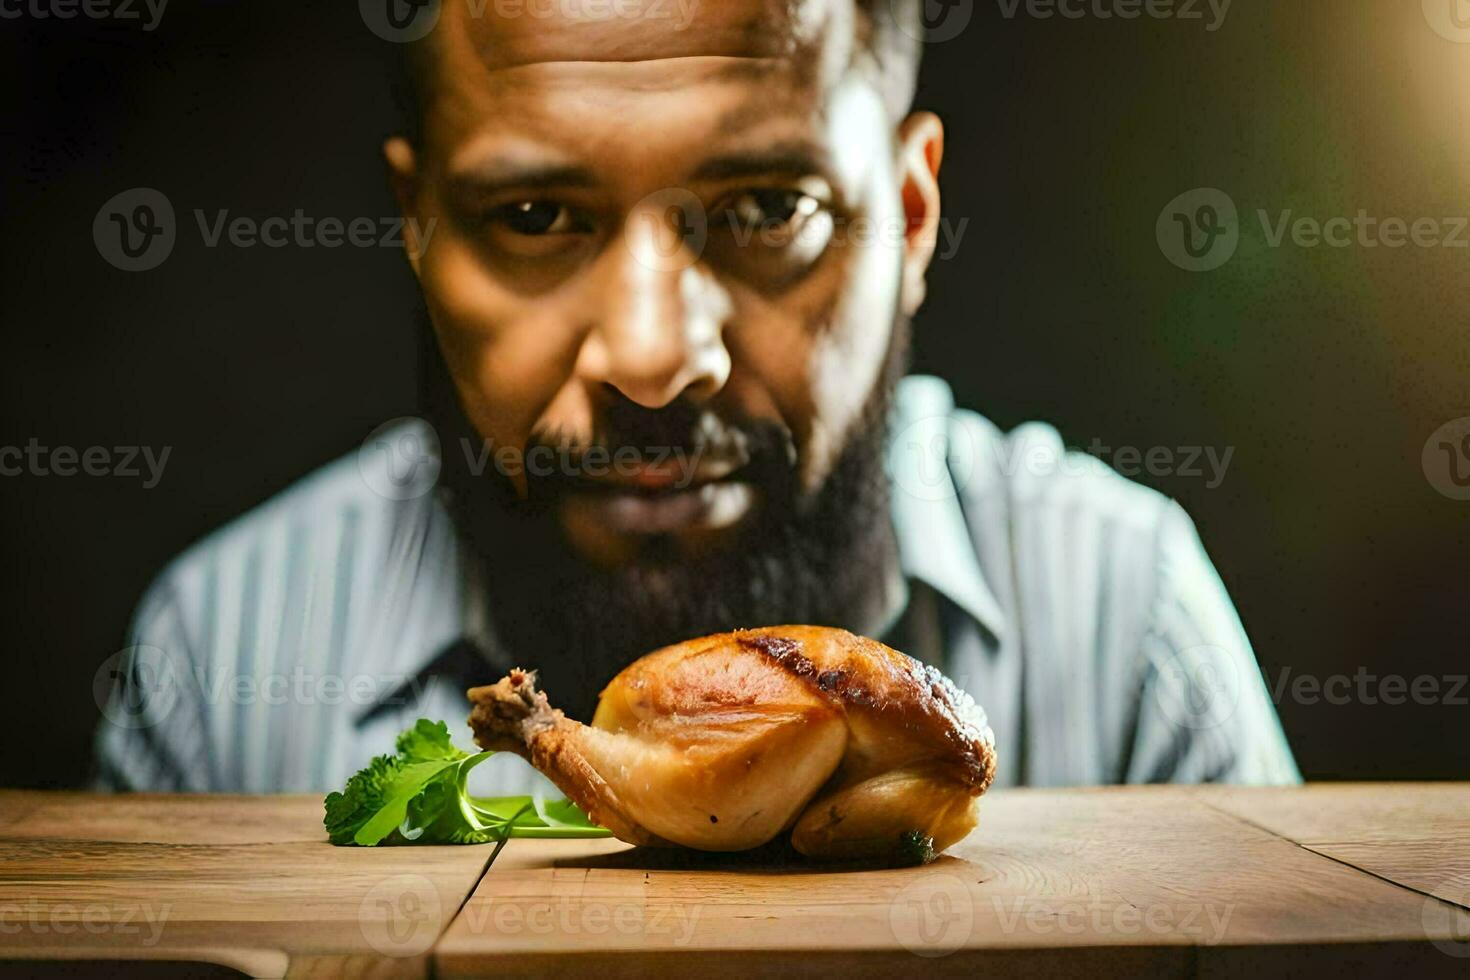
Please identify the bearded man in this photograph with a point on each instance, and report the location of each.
(668, 266)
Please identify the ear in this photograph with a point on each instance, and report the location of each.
(921, 147)
(403, 175)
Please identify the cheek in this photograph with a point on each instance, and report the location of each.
(817, 350)
(848, 357)
(509, 358)
(849, 353)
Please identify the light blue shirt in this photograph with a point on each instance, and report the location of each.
(1078, 608)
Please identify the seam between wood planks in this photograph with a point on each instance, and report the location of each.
(1347, 864)
(431, 957)
(474, 887)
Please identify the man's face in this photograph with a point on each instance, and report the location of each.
(701, 214)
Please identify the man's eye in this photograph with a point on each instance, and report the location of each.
(771, 236)
(537, 218)
(774, 206)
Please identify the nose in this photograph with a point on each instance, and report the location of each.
(658, 317)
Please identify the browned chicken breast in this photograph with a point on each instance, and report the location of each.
(725, 742)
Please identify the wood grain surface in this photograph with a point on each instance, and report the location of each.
(1205, 881)
(1113, 882)
(1413, 834)
(248, 883)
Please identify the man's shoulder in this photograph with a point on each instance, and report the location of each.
(1027, 474)
(1103, 587)
(1103, 547)
(1043, 478)
(283, 623)
(329, 520)
(1027, 535)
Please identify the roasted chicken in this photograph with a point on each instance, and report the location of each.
(725, 742)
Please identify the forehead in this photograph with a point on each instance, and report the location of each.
(569, 72)
(509, 33)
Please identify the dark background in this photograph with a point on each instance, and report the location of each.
(1326, 369)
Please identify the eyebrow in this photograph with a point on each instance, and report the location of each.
(796, 159)
(787, 159)
(499, 174)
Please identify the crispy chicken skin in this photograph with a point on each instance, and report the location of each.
(725, 742)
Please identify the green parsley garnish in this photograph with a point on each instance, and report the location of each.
(418, 796)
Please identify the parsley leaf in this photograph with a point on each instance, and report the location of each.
(418, 796)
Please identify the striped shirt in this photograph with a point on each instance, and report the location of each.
(283, 651)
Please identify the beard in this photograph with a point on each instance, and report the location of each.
(819, 557)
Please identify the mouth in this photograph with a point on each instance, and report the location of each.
(664, 476)
(663, 498)
(708, 506)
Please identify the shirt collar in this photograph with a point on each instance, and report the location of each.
(934, 539)
(442, 608)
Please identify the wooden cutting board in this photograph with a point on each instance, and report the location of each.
(1124, 882)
